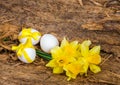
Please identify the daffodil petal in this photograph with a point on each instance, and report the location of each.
(64, 43)
(70, 75)
(84, 69)
(94, 58)
(58, 70)
(69, 78)
(94, 68)
(52, 63)
(74, 44)
(84, 65)
(85, 48)
(56, 52)
(95, 50)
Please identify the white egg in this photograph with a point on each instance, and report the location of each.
(47, 42)
(34, 42)
(31, 54)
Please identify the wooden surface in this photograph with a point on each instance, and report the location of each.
(97, 20)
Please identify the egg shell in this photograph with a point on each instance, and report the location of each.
(47, 42)
(34, 42)
(30, 52)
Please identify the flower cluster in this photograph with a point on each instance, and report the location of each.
(74, 58)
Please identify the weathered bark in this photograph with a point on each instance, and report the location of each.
(96, 20)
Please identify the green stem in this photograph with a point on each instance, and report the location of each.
(38, 51)
(43, 55)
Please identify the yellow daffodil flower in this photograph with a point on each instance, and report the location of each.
(91, 56)
(63, 55)
(72, 69)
